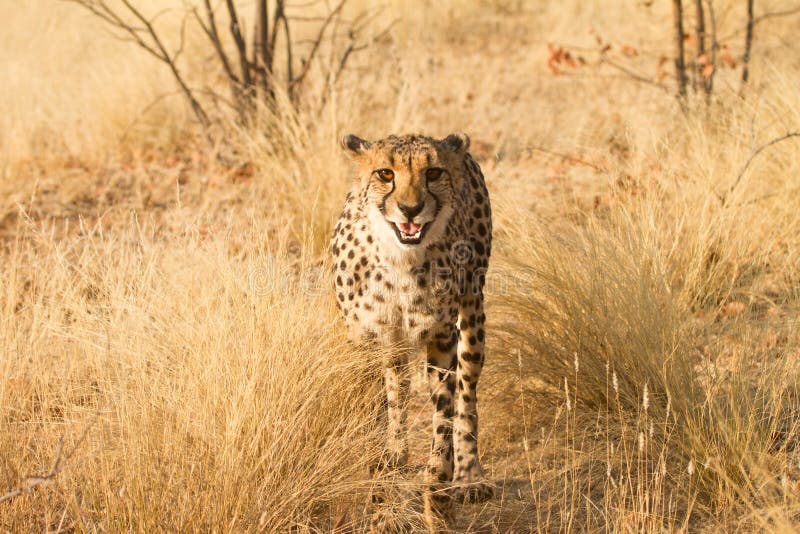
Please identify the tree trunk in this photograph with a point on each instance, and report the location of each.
(748, 43)
(701, 60)
(680, 66)
(261, 52)
(712, 47)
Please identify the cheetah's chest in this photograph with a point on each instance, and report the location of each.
(388, 302)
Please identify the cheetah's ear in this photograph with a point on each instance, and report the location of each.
(354, 146)
(456, 142)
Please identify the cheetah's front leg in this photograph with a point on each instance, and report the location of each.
(441, 367)
(396, 381)
(392, 420)
(468, 476)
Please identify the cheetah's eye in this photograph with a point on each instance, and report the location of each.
(386, 175)
(433, 174)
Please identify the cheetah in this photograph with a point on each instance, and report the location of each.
(411, 249)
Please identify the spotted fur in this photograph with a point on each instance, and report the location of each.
(409, 295)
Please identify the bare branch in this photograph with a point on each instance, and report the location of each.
(213, 35)
(567, 157)
(155, 47)
(748, 43)
(367, 16)
(315, 47)
(280, 14)
(303, 4)
(351, 49)
(343, 61)
(713, 46)
(289, 61)
(753, 153)
(261, 51)
(236, 32)
(680, 66)
(773, 14)
(700, 35)
(276, 19)
(145, 111)
(102, 11)
(158, 14)
(759, 19)
(255, 73)
(196, 107)
(182, 42)
(31, 482)
(309, 18)
(632, 74)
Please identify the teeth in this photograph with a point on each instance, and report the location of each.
(405, 236)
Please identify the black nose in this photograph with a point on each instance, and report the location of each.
(411, 211)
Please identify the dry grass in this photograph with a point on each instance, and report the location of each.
(167, 300)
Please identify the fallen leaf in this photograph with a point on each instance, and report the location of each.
(708, 70)
(728, 60)
(630, 51)
(732, 309)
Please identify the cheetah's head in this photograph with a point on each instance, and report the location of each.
(411, 183)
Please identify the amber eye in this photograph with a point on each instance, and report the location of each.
(433, 174)
(387, 175)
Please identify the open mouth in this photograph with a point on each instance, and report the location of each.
(409, 233)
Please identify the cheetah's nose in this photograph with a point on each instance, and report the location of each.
(411, 211)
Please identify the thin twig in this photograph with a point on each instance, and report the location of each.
(144, 112)
(633, 75)
(182, 42)
(299, 78)
(155, 47)
(753, 153)
(213, 35)
(105, 14)
(316, 18)
(361, 20)
(773, 14)
(198, 109)
(567, 157)
(759, 19)
(31, 482)
(253, 75)
(273, 38)
(770, 195)
(303, 4)
(236, 32)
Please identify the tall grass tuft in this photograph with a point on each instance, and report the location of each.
(597, 315)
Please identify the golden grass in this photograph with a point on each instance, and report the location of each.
(165, 309)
